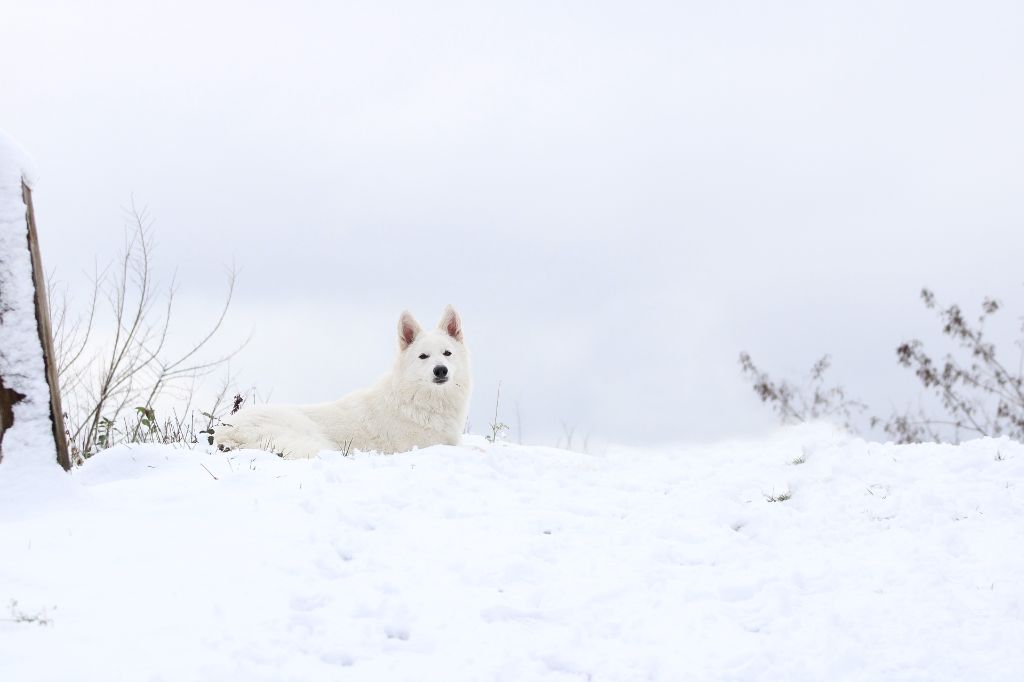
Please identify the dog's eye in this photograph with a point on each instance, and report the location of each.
(423, 356)
(447, 353)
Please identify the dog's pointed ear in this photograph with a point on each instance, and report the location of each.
(451, 323)
(408, 329)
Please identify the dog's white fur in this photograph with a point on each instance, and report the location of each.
(407, 408)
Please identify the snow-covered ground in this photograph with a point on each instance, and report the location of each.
(516, 563)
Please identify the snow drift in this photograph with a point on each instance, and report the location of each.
(805, 556)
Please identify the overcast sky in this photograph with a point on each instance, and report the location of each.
(618, 197)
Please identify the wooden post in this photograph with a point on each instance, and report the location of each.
(45, 333)
(9, 397)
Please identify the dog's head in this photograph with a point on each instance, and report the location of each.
(436, 358)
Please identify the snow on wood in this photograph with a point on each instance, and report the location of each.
(31, 426)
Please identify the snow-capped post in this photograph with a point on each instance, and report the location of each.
(31, 421)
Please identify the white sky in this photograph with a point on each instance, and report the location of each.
(618, 197)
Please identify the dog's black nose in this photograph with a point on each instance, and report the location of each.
(441, 372)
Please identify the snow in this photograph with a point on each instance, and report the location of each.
(502, 562)
(29, 442)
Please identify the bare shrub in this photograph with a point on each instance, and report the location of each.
(568, 431)
(498, 427)
(812, 399)
(979, 392)
(115, 363)
(19, 615)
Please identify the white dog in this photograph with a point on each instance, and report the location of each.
(423, 401)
